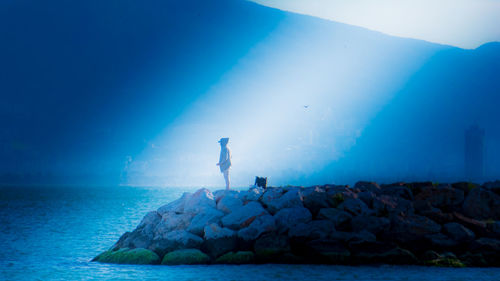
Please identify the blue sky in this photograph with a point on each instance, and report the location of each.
(462, 23)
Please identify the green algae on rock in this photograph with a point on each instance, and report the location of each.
(128, 256)
(241, 257)
(185, 256)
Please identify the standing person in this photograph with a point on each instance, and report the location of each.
(224, 159)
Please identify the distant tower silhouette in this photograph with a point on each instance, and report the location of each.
(474, 153)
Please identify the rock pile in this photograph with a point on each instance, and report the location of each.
(402, 223)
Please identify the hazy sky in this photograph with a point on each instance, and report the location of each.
(463, 23)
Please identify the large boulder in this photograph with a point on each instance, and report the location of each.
(289, 217)
(185, 256)
(142, 236)
(486, 245)
(317, 229)
(176, 206)
(479, 227)
(314, 198)
(172, 221)
(175, 240)
(244, 216)
(440, 241)
(261, 225)
(493, 186)
(128, 256)
(200, 201)
(328, 251)
(368, 186)
(442, 196)
(270, 246)
(203, 219)
(253, 194)
(397, 190)
(380, 252)
(372, 224)
(230, 202)
(291, 198)
(385, 205)
(338, 217)
(411, 228)
(219, 240)
(355, 206)
(458, 232)
(240, 257)
(482, 204)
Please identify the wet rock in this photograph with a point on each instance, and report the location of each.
(244, 216)
(128, 256)
(355, 207)
(371, 224)
(174, 240)
(458, 232)
(289, 217)
(381, 252)
(482, 204)
(219, 240)
(485, 245)
(229, 202)
(318, 229)
(260, 225)
(414, 227)
(476, 259)
(430, 255)
(203, 219)
(241, 257)
(344, 236)
(176, 206)
(271, 245)
(338, 217)
(185, 256)
(328, 251)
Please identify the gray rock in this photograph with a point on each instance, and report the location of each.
(355, 207)
(176, 206)
(493, 186)
(367, 197)
(486, 245)
(175, 240)
(271, 194)
(271, 245)
(343, 236)
(444, 197)
(482, 204)
(244, 216)
(253, 194)
(229, 202)
(414, 227)
(371, 224)
(219, 240)
(338, 217)
(172, 221)
(203, 219)
(441, 241)
(385, 205)
(291, 198)
(495, 228)
(200, 201)
(397, 190)
(458, 232)
(318, 229)
(314, 198)
(259, 226)
(142, 236)
(368, 186)
(289, 217)
(330, 251)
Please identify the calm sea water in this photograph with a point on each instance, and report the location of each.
(52, 233)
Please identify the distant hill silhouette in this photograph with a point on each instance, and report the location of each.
(86, 84)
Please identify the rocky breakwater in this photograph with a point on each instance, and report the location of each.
(403, 223)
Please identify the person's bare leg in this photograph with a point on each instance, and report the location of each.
(226, 177)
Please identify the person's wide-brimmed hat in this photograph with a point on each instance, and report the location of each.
(223, 140)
